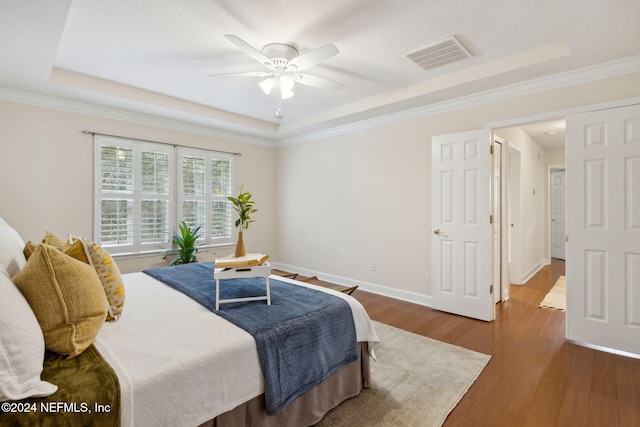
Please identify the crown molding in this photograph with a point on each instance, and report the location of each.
(144, 119)
(593, 73)
(584, 75)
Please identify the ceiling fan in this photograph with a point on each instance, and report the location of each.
(284, 63)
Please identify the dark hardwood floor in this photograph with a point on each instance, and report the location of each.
(534, 378)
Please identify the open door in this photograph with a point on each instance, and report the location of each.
(462, 232)
(603, 224)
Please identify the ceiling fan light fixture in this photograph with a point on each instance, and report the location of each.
(286, 87)
(285, 83)
(267, 84)
(283, 63)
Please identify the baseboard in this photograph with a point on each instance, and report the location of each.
(374, 288)
(529, 274)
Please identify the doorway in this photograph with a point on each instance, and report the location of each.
(532, 150)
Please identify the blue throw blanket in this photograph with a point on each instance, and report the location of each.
(302, 337)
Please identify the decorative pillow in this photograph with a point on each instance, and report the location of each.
(11, 244)
(53, 240)
(29, 247)
(21, 346)
(76, 250)
(67, 298)
(93, 254)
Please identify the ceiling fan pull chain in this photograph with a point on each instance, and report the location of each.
(278, 99)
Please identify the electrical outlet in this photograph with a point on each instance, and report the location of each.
(372, 266)
(428, 276)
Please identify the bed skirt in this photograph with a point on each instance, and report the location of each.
(307, 409)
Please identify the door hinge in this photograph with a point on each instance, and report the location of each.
(490, 149)
(490, 289)
(491, 219)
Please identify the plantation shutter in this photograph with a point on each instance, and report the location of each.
(133, 200)
(204, 183)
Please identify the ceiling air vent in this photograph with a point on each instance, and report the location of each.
(439, 54)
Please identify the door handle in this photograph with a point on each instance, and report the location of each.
(436, 231)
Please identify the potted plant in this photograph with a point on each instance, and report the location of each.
(186, 241)
(244, 206)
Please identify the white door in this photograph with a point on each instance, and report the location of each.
(558, 231)
(461, 232)
(603, 224)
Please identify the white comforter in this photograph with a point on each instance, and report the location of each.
(180, 364)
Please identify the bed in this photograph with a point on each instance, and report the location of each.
(178, 363)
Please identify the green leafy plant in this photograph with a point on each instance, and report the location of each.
(244, 206)
(186, 241)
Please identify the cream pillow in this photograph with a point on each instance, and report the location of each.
(87, 251)
(67, 298)
(21, 346)
(12, 258)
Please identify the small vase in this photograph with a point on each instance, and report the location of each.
(240, 250)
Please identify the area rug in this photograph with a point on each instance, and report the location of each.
(556, 298)
(416, 381)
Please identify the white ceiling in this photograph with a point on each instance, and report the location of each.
(154, 57)
(549, 134)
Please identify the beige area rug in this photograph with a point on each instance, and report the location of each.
(416, 381)
(556, 298)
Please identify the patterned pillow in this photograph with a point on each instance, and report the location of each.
(93, 254)
(67, 298)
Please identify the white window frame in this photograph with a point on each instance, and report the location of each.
(174, 197)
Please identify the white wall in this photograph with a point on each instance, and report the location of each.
(47, 174)
(348, 200)
(331, 206)
(554, 157)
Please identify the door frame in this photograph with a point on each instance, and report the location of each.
(502, 293)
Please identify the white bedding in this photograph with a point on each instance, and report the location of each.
(180, 364)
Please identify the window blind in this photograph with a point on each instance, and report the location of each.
(143, 189)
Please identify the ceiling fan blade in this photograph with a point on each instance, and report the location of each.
(248, 49)
(315, 81)
(315, 56)
(248, 74)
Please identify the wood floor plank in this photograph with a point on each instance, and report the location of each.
(628, 383)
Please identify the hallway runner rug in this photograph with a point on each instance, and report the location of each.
(556, 298)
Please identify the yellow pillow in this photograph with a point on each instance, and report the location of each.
(76, 250)
(94, 255)
(29, 247)
(53, 240)
(67, 298)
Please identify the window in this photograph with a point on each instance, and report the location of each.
(144, 189)
(204, 182)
